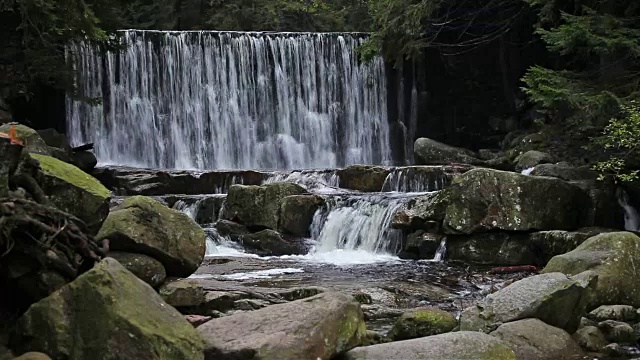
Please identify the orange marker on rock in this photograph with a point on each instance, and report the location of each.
(12, 136)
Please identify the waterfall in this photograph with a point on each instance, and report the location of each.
(414, 179)
(356, 228)
(631, 216)
(231, 100)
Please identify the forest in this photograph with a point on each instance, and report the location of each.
(570, 66)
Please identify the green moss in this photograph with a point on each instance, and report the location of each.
(71, 174)
(32, 141)
(498, 352)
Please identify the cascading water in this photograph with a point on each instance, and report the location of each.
(411, 179)
(631, 216)
(356, 228)
(212, 100)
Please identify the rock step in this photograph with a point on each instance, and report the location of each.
(132, 181)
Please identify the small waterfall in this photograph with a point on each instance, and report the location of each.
(414, 179)
(190, 209)
(441, 251)
(231, 100)
(357, 226)
(631, 216)
(527, 171)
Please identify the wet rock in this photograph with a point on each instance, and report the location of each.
(209, 210)
(197, 320)
(33, 143)
(84, 160)
(318, 327)
(134, 181)
(296, 214)
(624, 313)
(590, 338)
(271, 243)
(488, 200)
(144, 267)
(604, 210)
(547, 244)
(553, 298)
(532, 158)
(146, 226)
(617, 332)
(612, 257)
(496, 248)
(532, 339)
(421, 213)
(614, 350)
(107, 313)
(305, 292)
(74, 191)
(431, 152)
(230, 228)
(421, 245)
(365, 178)
(378, 312)
(584, 322)
(33, 356)
(374, 338)
(422, 322)
(258, 207)
(460, 345)
(182, 293)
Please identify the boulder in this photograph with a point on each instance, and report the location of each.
(614, 312)
(488, 200)
(85, 160)
(296, 214)
(271, 243)
(495, 248)
(106, 313)
(532, 339)
(258, 207)
(547, 244)
(424, 212)
(365, 178)
(197, 320)
(612, 257)
(33, 143)
(618, 332)
(431, 152)
(422, 322)
(230, 228)
(460, 345)
(565, 171)
(590, 338)
(74, 191)
(144, 267)
(33, 356)
(421, 245)
(145, 226)
(319, 327)
(182, 292)
(532, 158)
(553, 298)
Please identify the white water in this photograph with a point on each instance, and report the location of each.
(631, 216)
(356, 228)
(410, 179)
(527, 171)
(310, 179)
(441, 251)
(214, 100)
(190, 210)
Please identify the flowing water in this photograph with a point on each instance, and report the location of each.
(234, 100)
(631, 216)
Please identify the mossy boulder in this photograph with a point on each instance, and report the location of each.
(319, 327)
(431, 152)
(614, 312)
(144, 267)
(33, 143)
(612, 257)
(182, 292)
(488, 200)
(422, 322)
(107, 313)
(146, 226)
(258, 207)
(296, 214)
(532, 158)
(366, 178)
(459, 345)
(74, 191)
(532, 339)
(553, 298)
